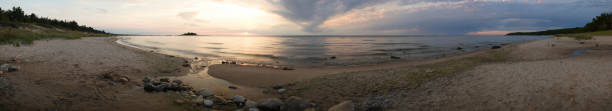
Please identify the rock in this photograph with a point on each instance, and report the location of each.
(164, 80)
(332, 57)
(394, 57)
(163, 87)
(149, 87)
(179, 101)
(270, 104)
(459, 48)
(250, 104)
(208, 103)
(253, 109)
(581, 42)
(238, 100)
(8, 68)
(124, 79)
(277, 86)
(281, 91)
(177, 81)
(495, 47)
(186, 65)
(232, 87)
(205, 92)
(112, 83)
(218, 99)
(288, 68)
(297, 104)
(146, 80)
(196, 58)
(343, 106)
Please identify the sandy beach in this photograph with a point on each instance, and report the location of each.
(549, 74)
(70, 75)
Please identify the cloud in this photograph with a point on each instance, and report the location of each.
(309, 14)
(188, 15)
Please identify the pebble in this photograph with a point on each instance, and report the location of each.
(205, 92)
(164, 80)
(232, 87)
(394, 57)
(251, 104)
(294, 103)
(343, 106)
(270, 104)
(277, 86)
(177, 81)
(8, 68)
(253, 109)
(112, 83)
(179, 101)
(495, 47)
(208, 103)
(238, 100)
(281, 91)
(124, 80)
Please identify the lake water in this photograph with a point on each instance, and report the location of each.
(317, 50)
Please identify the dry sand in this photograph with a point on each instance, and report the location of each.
(68, 75)
(535, 76)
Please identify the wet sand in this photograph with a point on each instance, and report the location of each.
(69, 75)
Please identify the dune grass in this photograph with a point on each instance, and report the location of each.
(587, 35)
(23, 36)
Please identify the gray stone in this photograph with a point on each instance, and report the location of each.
(149, 87)
(270, 104)
(253, 109)
(238, 99)
(218, 99)
(177, 81)
(164, 80)
(205, 92)
(251, 104)
(277, 86)
(208, 103)
(146, 80)
(297, 104)
(282, 91)
(343, 106)
(8, 68)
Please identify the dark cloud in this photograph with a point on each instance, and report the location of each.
(309, 14)
(479, 16)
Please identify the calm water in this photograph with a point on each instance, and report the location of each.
(317, 50)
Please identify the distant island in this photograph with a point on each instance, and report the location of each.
(601, 25)
(189, 34)
(17, 27)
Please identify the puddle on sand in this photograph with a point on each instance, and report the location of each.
(578, 51)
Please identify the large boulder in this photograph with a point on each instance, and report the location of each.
(270, 104)
(343, 106)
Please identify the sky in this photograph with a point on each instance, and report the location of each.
(319, 17)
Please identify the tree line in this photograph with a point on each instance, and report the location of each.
(599, 23)
(17, 15)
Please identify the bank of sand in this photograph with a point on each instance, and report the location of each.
(546, 74)
(68, 75)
